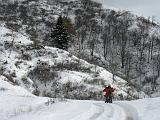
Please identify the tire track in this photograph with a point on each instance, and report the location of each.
(130, 111)
(119, 113)
(99, 113)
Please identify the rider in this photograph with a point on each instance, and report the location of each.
(108, 93)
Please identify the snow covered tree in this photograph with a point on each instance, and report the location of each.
(59, 35)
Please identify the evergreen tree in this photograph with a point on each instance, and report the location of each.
(59, 35)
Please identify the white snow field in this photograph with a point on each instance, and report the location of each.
(18, 104)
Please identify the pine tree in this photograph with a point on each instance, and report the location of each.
(59, 35)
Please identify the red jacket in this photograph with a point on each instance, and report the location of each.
(108, 91)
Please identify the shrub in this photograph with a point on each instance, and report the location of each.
(26, 56)
(3, 89)
(74, 66)
(25, 80)
(10, 78)
(18, 63)
(42, 72)
(94, 81)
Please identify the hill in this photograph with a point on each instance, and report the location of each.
(52, 72)
(119, 41)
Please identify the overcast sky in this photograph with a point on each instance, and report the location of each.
(141, 7)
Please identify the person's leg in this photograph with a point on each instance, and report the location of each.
(105, 99)
(110, 99)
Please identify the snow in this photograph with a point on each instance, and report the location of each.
(148, 109)
(16, 103)
(17, 106)
(73, 76)
(8, 35)
(16, 90)
(12, 61)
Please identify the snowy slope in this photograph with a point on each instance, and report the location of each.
(24, 106)
(23, 64)
(15, 100)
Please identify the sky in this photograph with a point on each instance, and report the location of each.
(141, 7)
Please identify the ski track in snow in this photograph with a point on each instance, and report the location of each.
(97, 114)
(131, 113)
(115, 111)
(124, 113)
(81, 110)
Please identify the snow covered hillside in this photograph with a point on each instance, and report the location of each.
(17, 104)
(52, 72)
(96, 36)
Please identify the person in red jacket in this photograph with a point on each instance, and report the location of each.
(108, 93)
